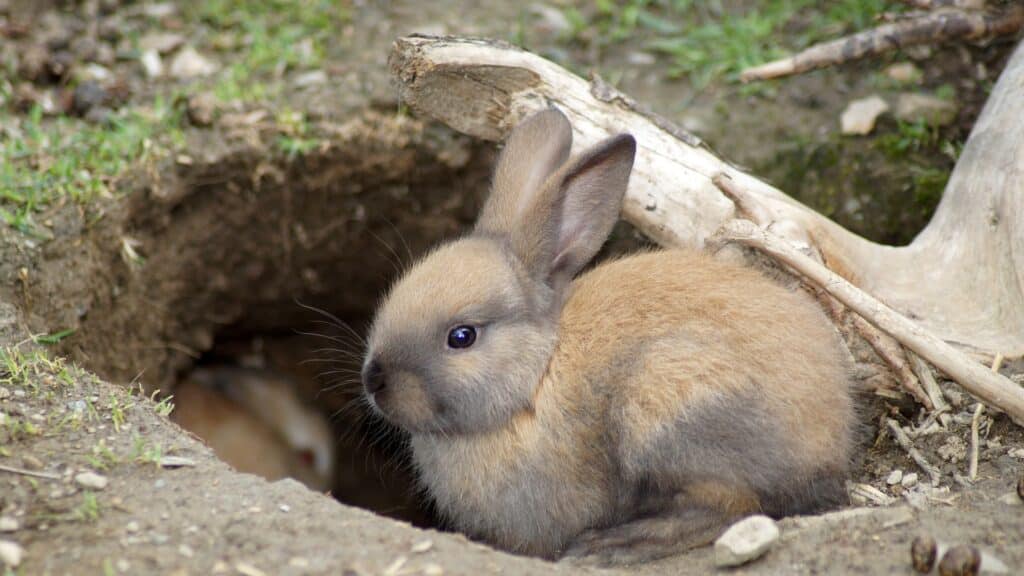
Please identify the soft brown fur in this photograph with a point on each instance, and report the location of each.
(624, 415)
(253, 420)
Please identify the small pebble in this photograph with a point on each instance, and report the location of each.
(745, 540)
(91, 480)
(960, 561)
(151, 63)
(285, 508)
(298, 562)
(4, 393)
(185, 551)
(922, 554)
(432, 570)
(202, 109)
(176, 462)
(895, 477)
(422, 546)
(8, 524)
(11, 553)
(859, 116)
(132, 526)
(909, 480)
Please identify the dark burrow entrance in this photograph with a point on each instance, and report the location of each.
(205, 283)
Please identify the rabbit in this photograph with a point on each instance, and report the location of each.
(622, 416)
(252, 420)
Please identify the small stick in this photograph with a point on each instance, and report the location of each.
(972, 470)
(931, 387)
(997, 362)
(934, 4)
(929, 28)
(891, 353)
(995, 389)
(23, 472)
(904, 441)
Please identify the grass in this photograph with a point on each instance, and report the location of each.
(66, 158)
(705, 43)
(48, 161)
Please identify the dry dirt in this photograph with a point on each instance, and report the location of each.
(229, 241)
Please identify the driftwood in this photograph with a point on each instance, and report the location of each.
(961, 279)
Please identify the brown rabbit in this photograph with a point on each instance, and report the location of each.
(633, 412)
(253, 420)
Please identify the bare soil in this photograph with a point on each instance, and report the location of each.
(225, 246)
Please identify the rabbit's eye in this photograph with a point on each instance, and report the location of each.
(461, 337)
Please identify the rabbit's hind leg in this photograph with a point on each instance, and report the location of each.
(666, 525)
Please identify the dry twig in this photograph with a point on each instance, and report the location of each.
(904, 441)
(928, 28)
(23, 472)
(936, 4)
(892, 354)
(996, 390)
(972, 470)
(931, 387)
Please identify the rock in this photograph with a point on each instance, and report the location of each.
(161, 42)
(91, 480)
(8, 524)
(188, 63)
(550, 20)
(176, 462)
(152, 65)
(860, 116)
(895, 477)
(923, 551)
(11, 553)
(904, 72)
(912, 107)
(96, 73)
(88, 95)
(953, 450)
(1017, 453)
(160, 10)
(909, 480)
(640, 58)
(960, 561)
(32, 62)
(311, 78)
(745, 540)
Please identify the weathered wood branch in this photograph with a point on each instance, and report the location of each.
(927, 28)
(991, 387)
(961, 279)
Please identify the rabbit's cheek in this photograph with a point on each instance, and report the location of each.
(405, 402)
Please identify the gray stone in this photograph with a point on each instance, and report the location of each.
(745, 540)
(912, 107)
(860, 116)
(91, 480)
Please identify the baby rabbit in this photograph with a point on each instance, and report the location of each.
(253, 420)
(633, 412)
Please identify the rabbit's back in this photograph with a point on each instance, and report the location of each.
(712, 371)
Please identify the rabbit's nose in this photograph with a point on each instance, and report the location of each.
(373, 378)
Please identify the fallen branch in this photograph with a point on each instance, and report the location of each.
(935, 4)
(928, 28)
(23, 472)
(904, 441)
(994, 389)
(891, 353)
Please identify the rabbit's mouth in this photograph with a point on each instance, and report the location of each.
(402, 400)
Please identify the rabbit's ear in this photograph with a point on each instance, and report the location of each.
(567, 222)
(533, 152)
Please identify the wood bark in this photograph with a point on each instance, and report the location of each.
(962, 278)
